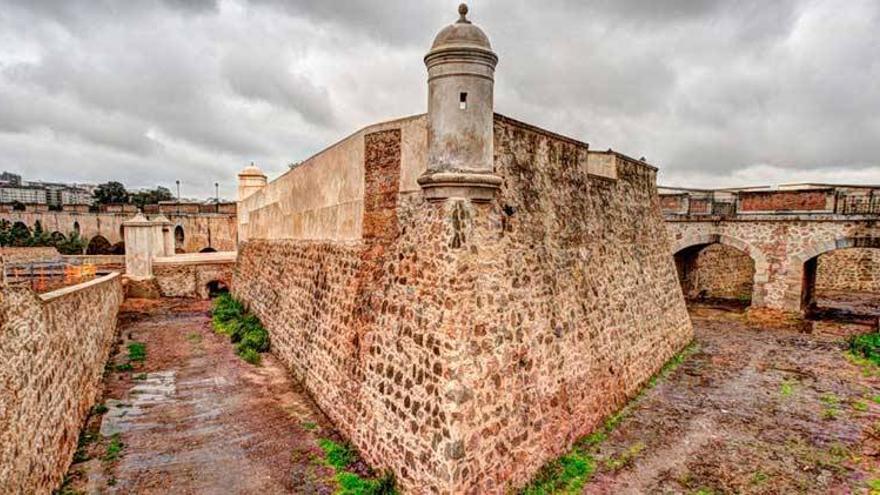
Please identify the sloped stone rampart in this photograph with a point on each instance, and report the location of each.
(464, 345)
(53, 349)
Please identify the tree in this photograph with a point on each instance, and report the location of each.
(151, 197)
(73, 244)
(111, 192)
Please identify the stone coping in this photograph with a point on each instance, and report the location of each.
(197, 258)
(55, 294)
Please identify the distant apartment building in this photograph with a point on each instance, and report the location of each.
(15, 191)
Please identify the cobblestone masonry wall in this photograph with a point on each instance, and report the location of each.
(461, 345)
(53, 349)
(716, 272)
(855, 269)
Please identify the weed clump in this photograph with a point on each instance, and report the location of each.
(866, 346)
(230, 318)
(341, 456)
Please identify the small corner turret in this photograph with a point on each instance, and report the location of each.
(461, 79)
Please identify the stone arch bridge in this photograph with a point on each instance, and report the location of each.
(195, 231)
(782, 231)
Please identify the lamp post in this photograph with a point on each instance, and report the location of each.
(178, 196)
(217, 196)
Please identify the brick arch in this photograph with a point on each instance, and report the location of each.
(794, 279)
(762, 267)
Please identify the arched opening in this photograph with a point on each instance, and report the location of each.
(842, 284)
(716, 273)
(76, 227)
(122, 232)
(216, 288)
(119, 248)
(178, 239)
(208, 249)
(99, 245)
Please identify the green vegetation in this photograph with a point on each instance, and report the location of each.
(124, 367)
(569, 473)
(308, 425)
(832, 406)
(860, 405)
(114, 449)
(866, 346)
(137, 351)
(19, 235)
(244, 329)
(787, 388)
(337, 455)
(874, 486)
(99, 409)
(340, 457)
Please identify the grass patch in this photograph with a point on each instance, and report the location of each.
(569, 473)
(832, 406)
(114, 449)
(137, 352)
(340, 456)
(229, 317)
(860, 405)
(336, 454)
(866, 346)
(124, 367)
(787, 388)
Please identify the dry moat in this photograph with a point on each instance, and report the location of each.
(750, 409)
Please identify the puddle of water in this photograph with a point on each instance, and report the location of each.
(122, 415)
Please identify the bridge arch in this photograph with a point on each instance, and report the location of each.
(99, 245)
(759, 260)
(801, 274)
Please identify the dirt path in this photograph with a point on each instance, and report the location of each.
(194, 418)
(752, 411)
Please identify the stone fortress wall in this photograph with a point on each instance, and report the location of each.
(53, 348)
(459, 344)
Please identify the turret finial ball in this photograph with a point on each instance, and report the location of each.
(463, 12)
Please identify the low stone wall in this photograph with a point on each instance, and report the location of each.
(716, 272)
(53, 349)
(855, 269)
(29, 254)
(189, 275)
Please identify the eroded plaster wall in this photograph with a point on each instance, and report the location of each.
(53, 349)
(322, 198)
(464, 345)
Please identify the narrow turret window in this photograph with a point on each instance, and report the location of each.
(462, 101)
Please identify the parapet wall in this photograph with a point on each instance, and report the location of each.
(189, 275)
(53, 349)
(464, 345)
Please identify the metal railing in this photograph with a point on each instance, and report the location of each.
(857, 204)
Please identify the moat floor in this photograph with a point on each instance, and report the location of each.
(753, 410)
(195, 418)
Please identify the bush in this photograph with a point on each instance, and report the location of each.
(866, 346)
(227, 312)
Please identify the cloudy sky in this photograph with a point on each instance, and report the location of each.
(722, 93)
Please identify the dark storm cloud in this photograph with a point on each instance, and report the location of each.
(714, 92)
